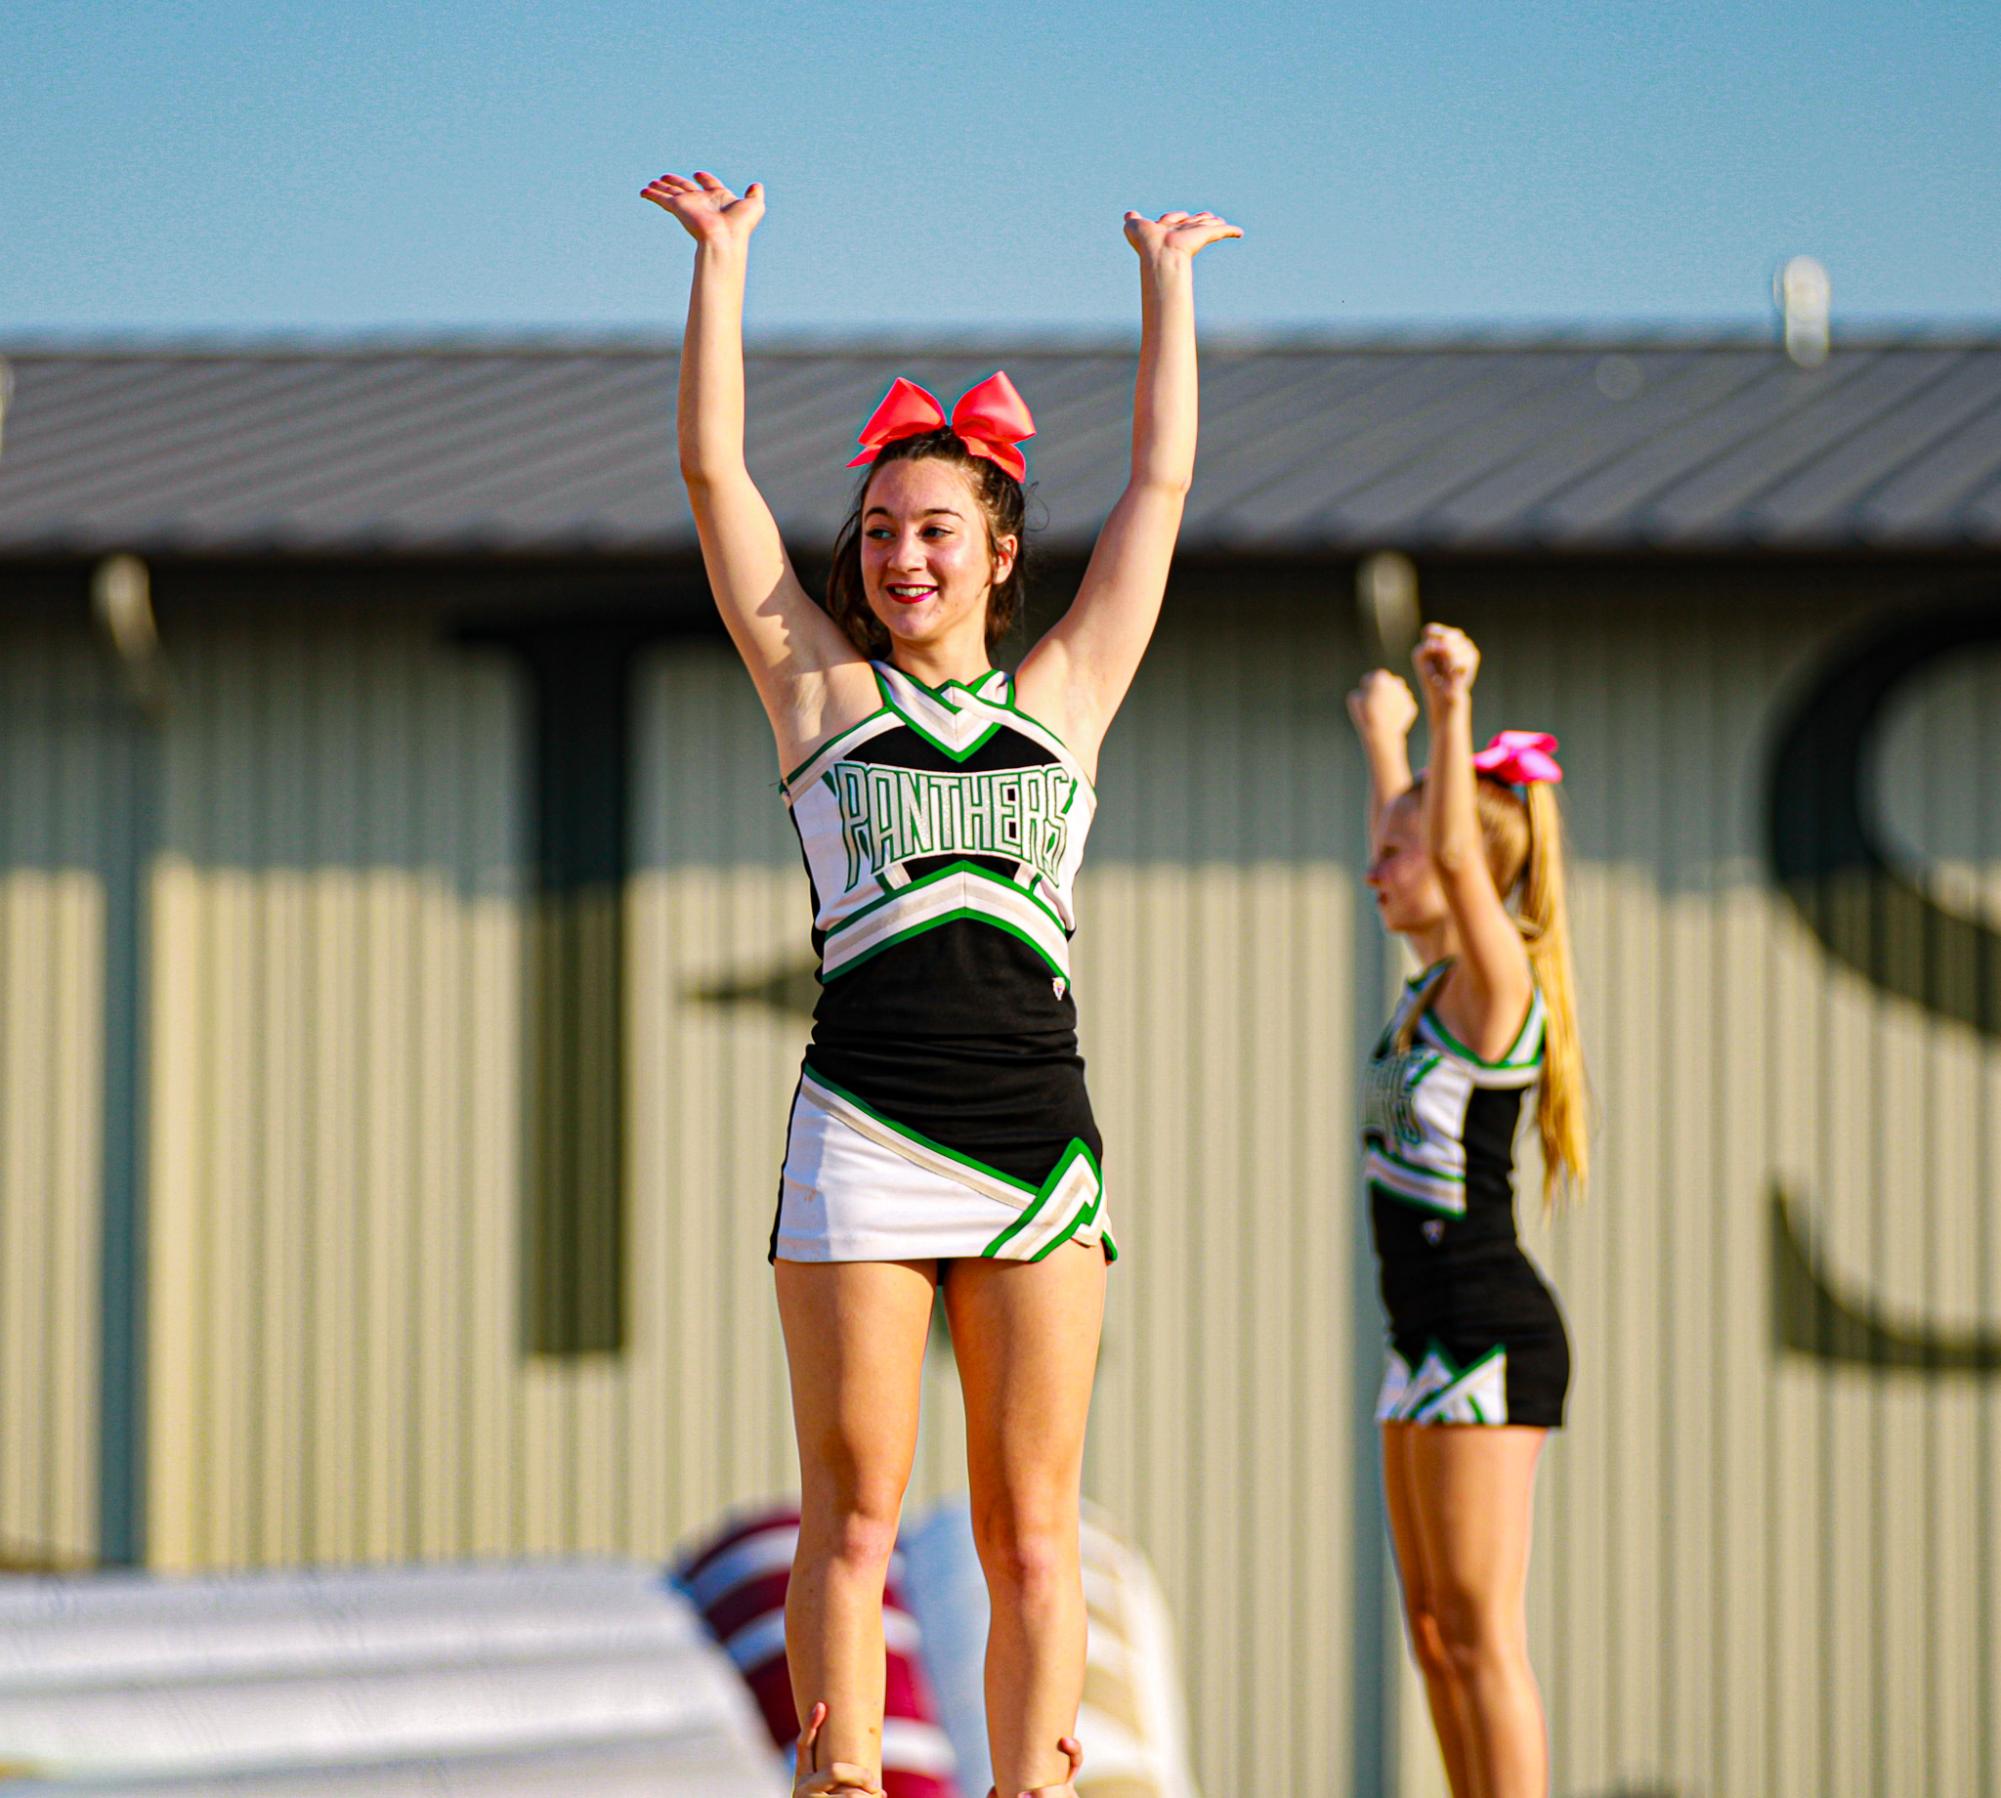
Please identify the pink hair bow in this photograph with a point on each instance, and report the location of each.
(1519, 757)
(989, 420)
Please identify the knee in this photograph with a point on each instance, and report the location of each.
(853, 1526)
(1028, 1550)
(1427, 1639)
(1477, 1631)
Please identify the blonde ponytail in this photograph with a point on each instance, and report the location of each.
(1521, 830)
(1545, 918)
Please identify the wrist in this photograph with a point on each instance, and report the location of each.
(1162, 263)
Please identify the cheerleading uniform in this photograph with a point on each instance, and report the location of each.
(941, 1111)
(1475, 1335)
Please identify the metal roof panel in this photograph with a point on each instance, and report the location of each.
(533, 448)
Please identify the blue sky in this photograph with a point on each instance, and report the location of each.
(221, 166)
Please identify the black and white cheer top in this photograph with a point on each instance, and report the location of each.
(943, 835)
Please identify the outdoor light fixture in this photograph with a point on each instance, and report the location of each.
(1386, 598)
(121, 601)
(1804, 297)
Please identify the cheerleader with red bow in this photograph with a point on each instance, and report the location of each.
(941, 1136)
(1467, 866)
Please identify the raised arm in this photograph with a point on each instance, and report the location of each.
(1382, 711)
(1487, 994)
(1078, 675)
(787, 642)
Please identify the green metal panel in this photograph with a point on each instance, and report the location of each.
(68, 1368)
(1763, 1561)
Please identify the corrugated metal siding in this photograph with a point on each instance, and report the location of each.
(336, 1357)
(1242, 1503)
(336, 1086)
(1758, 1569)
(58, 750)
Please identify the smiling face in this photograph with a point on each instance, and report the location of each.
(1400, 874)
(928, 562)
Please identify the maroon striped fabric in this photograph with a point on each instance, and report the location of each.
(738, 1580)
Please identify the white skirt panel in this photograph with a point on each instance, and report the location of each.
(854, 1189)
(1437, 1392)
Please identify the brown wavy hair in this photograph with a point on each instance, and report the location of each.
(1003, 503)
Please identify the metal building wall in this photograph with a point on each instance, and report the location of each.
(333, 1157)
(1764, 1559)
(1215, 985)
(338, 1368)
(1765, 1554)
(57, 763)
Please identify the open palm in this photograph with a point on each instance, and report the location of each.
(1185, 232)
(708, 210)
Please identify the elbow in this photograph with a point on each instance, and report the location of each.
(709, 471)
(1169, 484)
(702, 475)
(1452, 856)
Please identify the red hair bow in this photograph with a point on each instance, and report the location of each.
(989, 420)
(1519, 757)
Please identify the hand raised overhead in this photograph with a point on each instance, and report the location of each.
(1381, 705)
(1176, 233)
(1447, 660)
(709, 212)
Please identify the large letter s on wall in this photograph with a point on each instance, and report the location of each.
(1828, 856)
(1827, 853)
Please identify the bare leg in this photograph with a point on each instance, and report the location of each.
(1420, 1609)
(854, 1340)
(1026, 1337)
(1474, 1486)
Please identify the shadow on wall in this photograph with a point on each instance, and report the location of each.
(1830, 858)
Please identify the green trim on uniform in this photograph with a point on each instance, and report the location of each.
(917, 1136)
(1507, 1062)
(1037, 1198)
(1085, 1213)
(1429, 1173)
(1078, 1149)
(938, 743)
(839, 736)
(1460, 1375)
(932, 879)
(1432, 1346)
(950, 917)
(1008, 704)
(1414, 1202)
(938, 692)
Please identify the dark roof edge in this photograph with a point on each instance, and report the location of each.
(1313, 340)
(618, 563)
